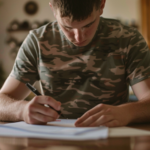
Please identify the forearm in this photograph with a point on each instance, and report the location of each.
(10, 109)
(138, 112)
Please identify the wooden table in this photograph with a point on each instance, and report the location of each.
(124, 143)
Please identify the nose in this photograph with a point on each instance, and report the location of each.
(78, 35)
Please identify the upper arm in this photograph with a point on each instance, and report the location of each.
(15, 89)
(142, 89)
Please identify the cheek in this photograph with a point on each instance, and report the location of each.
(68, 33)
(90, 32)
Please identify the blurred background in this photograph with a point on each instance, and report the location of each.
(17, 17)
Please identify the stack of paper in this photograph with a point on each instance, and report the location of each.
(63, 129)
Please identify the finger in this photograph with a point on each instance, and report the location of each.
(102, 120)
(45, 111)
(42, 118)
(96, 120)
(96, 112)
(34, 121)
(48, 100)
(87, 121)
(113, 123)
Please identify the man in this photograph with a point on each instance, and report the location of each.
(85, 64)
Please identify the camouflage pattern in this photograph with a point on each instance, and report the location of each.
(82, 77)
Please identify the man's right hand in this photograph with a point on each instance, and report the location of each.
(13, 107)
(36, 113)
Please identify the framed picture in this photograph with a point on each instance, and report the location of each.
(31, 8)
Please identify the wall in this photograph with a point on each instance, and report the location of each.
(14, 9)
(127, 10)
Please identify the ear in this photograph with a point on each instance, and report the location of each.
(102, 6)
(51, 6)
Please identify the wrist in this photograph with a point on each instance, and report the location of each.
(129, 113)
(21, 108)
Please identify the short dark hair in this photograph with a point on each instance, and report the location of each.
(76, 9)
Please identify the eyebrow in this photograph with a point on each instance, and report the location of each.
(89, 23)
(85, 25)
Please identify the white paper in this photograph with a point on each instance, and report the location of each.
(63, 122)
(61, 129)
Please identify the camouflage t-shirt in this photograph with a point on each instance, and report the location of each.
(82, 77)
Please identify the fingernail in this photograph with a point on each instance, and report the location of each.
(59, 105)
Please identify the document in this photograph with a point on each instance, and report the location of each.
(62, 129)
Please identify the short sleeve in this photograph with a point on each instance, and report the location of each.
(25, 68)
(138, 59)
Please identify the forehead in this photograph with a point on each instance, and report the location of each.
(67, 21)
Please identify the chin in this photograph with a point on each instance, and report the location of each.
(81, 44)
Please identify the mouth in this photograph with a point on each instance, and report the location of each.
(80, 43)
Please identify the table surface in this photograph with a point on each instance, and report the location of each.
(124, 143)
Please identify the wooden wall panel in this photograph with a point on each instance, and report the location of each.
(145, 7)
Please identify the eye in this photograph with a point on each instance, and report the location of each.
(88, 26)
(67, 28)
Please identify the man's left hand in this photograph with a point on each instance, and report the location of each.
(107, 115)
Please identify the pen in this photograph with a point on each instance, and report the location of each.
(36, 92)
